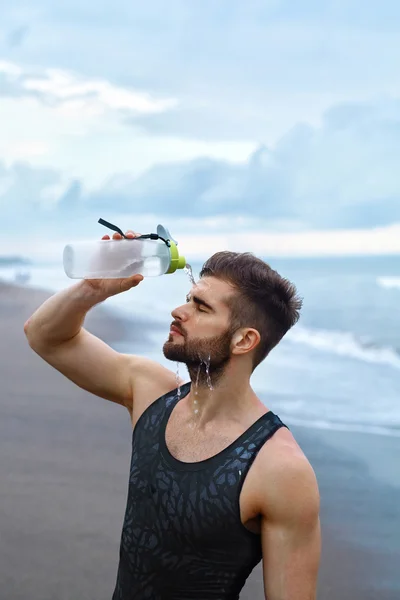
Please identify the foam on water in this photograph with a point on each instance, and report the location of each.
(335, 426)
(345, 344)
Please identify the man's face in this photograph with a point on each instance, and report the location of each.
(201, 332)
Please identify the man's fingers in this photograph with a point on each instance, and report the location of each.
(117, 236)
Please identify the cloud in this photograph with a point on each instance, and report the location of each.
(69, 91)
(342, 174)
(141, 109)
(78, 125)
(206, 121)
(247, 70)
(29, 192)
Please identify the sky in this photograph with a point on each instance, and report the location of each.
(266, 126)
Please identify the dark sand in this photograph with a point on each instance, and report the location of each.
(64, 463)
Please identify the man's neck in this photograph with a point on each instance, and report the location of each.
(228, 399)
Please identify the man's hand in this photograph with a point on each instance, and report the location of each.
(105, 288)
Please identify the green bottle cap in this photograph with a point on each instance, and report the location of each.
(177, 262)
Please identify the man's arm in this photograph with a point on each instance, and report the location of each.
(291, 534)
(55, 332)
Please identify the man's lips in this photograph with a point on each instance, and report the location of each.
(175, 330)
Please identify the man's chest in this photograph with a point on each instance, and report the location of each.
(187, 445)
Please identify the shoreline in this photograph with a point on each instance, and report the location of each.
(64, 465)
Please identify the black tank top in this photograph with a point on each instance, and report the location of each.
(182, 537)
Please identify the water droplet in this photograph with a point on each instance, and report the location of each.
(196, 411)
(207, 363)
(195, 401)
(177, 380)
(196, 385)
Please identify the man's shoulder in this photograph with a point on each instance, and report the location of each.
(283, 470)
(282, 452)
(149, 380)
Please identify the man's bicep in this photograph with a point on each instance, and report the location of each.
(291, 561)
(291, 536)
(92, 365)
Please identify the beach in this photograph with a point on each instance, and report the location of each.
(64, 465)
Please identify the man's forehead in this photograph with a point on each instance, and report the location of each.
(213, 288)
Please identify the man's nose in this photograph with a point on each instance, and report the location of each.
(180, 313)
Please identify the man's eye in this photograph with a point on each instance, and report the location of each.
(198, 306)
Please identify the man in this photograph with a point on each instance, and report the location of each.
(217, 481)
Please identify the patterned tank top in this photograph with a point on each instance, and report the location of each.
(182, 536)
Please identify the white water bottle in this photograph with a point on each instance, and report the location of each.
(149, 255)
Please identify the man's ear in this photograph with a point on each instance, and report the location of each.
(245, 340)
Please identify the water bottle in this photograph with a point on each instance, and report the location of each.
(148, 255)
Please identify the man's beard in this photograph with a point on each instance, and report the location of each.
(206, 359)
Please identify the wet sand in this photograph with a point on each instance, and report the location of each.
(64, 464)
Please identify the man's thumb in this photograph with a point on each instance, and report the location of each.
(135, 280)
(130, 282)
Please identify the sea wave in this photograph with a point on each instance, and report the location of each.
(335, 426)
(345, 344)
(389, 282)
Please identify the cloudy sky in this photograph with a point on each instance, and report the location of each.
(265, 125)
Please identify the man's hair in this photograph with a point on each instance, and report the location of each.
(263, 300)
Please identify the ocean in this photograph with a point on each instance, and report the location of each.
(338, 368)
